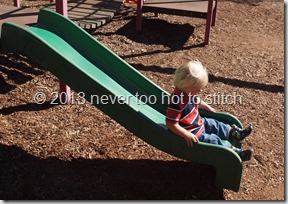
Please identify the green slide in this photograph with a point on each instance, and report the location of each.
(116, 88)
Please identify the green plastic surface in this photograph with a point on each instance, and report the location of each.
(86, 65)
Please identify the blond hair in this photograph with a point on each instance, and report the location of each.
(191, 73)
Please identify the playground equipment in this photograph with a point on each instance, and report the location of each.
(205, 9)
(84, 64)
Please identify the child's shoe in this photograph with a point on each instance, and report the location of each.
(245, 155)
(240, 134)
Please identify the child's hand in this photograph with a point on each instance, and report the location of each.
(188, 136)
(190, 139)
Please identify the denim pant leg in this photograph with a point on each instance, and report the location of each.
(216, 127)
(214, 132)
(211, 138)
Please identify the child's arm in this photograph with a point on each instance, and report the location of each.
(188, 136)
(205, 106)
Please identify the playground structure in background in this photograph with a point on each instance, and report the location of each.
(203, 9)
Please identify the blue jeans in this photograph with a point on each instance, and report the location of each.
(214, 131)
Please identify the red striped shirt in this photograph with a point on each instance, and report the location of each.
(183, 109)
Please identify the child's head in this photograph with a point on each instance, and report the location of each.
(189, 75)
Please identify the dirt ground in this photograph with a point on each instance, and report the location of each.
(77, 152)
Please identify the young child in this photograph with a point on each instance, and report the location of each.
(183, 118)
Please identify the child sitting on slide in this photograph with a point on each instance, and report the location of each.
(183, 119)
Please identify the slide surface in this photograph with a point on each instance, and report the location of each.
(116, 88)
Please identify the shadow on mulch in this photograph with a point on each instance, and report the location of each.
(171, 35)
(24, 176)
(247, 84)
(26, 107)
(165, 70)
(212, 78)
(160, 51)
(17, 69)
